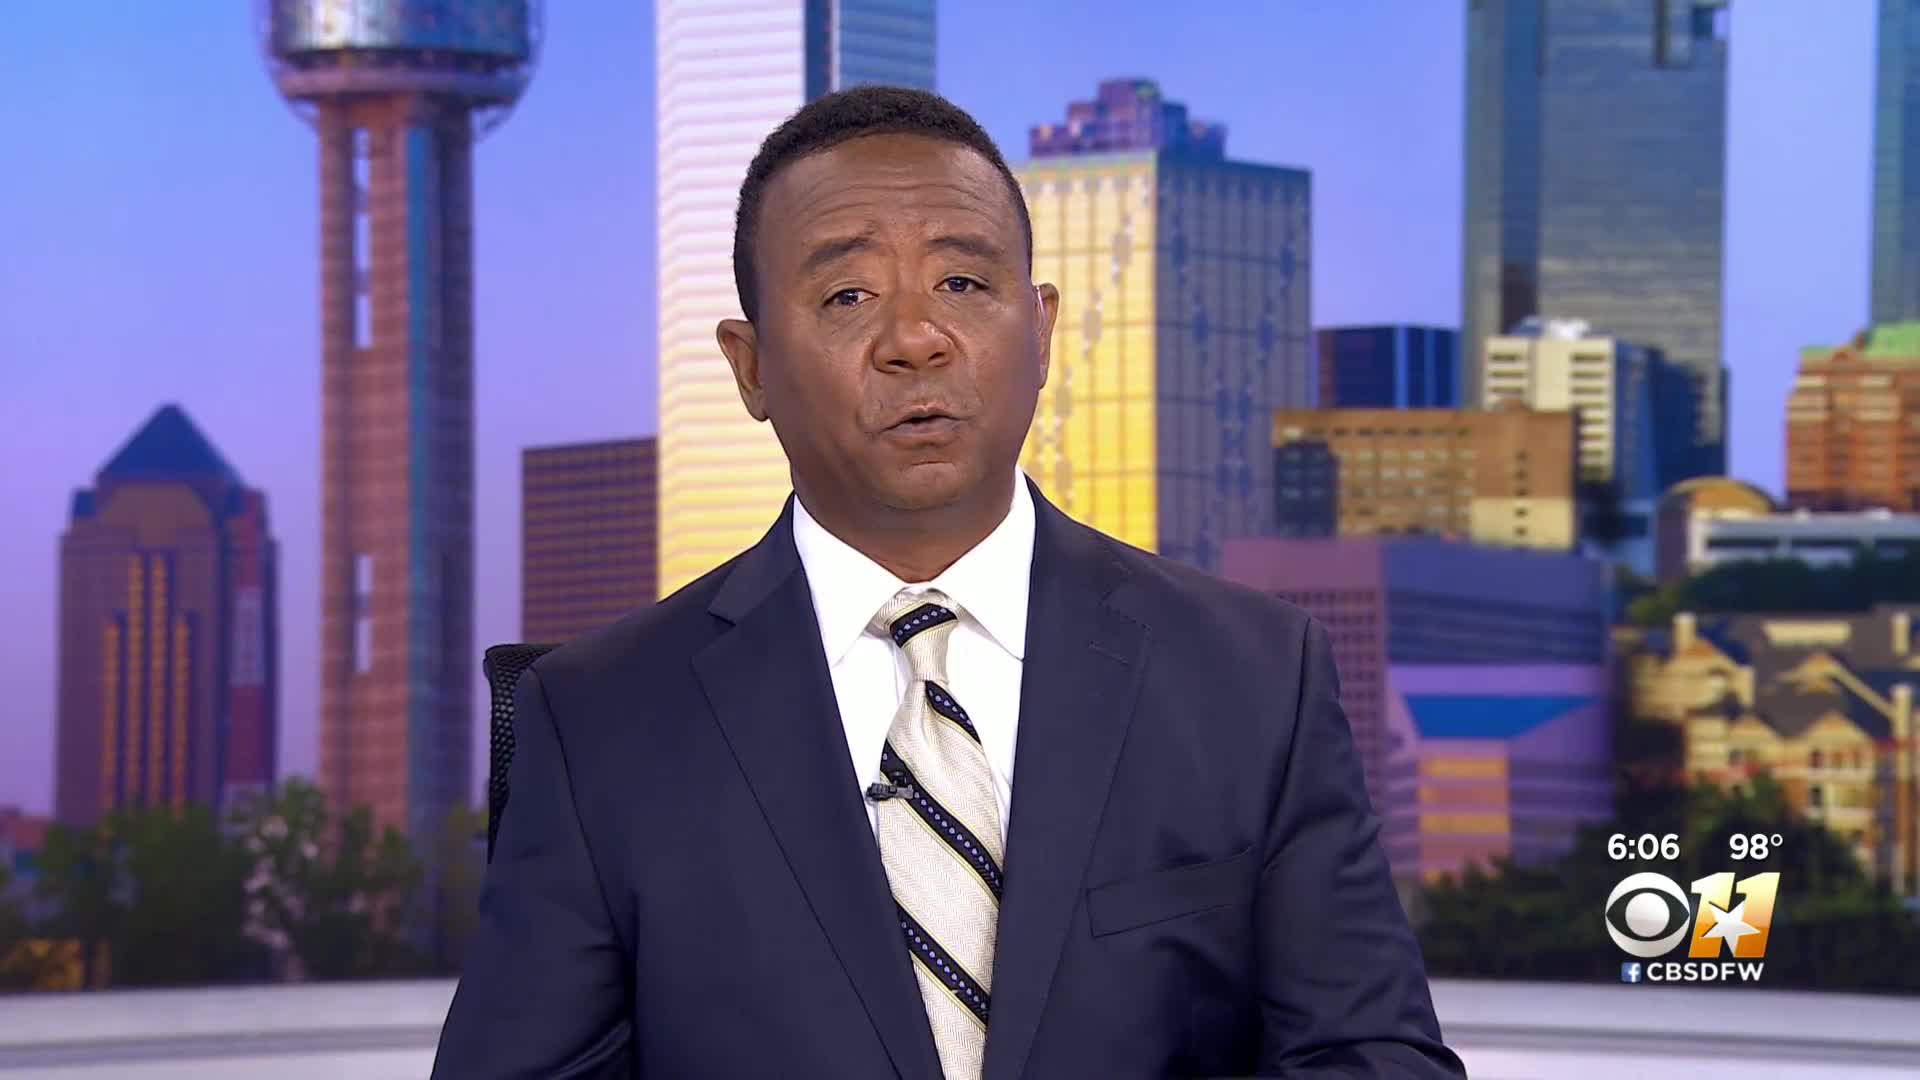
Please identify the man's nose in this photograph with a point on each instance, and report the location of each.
(909, 336)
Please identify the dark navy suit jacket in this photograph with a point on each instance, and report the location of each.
(685, 883)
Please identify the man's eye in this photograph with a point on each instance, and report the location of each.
(961, 285)
(844, 298)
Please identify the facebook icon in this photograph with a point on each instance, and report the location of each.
(1629, 972)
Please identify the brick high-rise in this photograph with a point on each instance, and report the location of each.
(398, 93)
(1853, 424)
(1503, 477)
(589, 531)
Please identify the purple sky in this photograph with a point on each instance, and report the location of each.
(159, 241)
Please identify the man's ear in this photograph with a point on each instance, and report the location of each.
(1046, 300)
(741, 343)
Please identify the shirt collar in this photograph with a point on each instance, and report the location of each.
(989, 583)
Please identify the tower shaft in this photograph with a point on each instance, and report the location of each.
(396, 293)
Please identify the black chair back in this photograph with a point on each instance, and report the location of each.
(503, 665)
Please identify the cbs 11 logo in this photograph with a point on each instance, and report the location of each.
(1648, 915)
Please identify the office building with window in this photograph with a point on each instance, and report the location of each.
(588, 528)
(1388, 367)
(1637, 416)
(1185, 320)
(1685, 510)
(1817, 539)
(1636, 411)
(1306, 488)
(1503, 477)
(1853, 424)
(1596, 177)
(1896, 164)
(1476, 683)
(168, 679)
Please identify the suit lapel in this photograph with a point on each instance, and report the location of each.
(768, 683)
(1078, 684)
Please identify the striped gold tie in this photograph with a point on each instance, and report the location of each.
(939, 833)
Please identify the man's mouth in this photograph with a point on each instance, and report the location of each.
(923, 419)
(929, 423)
(928, 417)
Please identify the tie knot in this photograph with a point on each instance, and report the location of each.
(919, 624)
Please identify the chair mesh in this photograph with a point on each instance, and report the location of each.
(503, 665)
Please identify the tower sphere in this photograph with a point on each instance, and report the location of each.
(478, 52)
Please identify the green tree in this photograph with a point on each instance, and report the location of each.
(156, 892)
(80, 881)
(183, 895)
(1657, 607)
(1834, 928)
(18, 971)
(331, 900)
(1786, 585)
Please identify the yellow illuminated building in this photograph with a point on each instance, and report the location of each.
(1184, 323)
(1093, 446)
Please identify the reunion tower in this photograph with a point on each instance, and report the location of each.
(398, 91)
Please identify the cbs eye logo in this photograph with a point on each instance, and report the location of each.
(1648, 915)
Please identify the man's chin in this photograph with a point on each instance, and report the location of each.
(927, 485)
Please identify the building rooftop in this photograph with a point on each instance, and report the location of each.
(1716, 633)
(1533, 326)
(1808, 666)
(1889, 341)
(1793, 708)
(1718, 490)
(1895, 340)
(168, 446)
(1375, 327)
(1127, 114)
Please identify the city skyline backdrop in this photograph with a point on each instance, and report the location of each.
(166, 224)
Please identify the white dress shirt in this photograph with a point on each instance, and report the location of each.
(988, 587)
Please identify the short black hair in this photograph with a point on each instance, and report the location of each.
(835, 118)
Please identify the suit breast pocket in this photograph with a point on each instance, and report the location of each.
(1159, 896)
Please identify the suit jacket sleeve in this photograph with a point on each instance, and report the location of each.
(1343, 986)
(544, 992)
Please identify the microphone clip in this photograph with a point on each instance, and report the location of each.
(879, 792)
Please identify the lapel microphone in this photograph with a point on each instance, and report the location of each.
(878, 792)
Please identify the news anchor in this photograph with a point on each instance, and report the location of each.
(931, 781)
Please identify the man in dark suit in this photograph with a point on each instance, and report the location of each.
(770, 827)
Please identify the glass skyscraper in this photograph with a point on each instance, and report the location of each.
(1595, 186)
(1184, 322)
(1389, 367)
(728, 75)
(1896, 165)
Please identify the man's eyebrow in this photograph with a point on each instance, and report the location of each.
(828, 252)
(832, 251)
(968, 244)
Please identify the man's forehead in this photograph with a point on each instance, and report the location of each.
(888, 168)
(886, 151)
